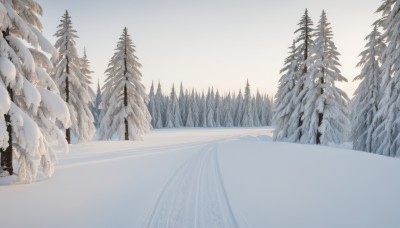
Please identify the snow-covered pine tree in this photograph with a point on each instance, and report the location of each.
(238, 111)
(218, 109)
(85, 70)
(255, 112)
(175, 109)
(72, 83)
(124, 111)
(195, 108)
(190, 117)
(304, 43)
(95, 108)
(284, 121)
(326, 112)
(168, 114)
(228, 111)
(160, 107)
(182, 104)
(152, 106)
(203, 110)
(268, 110)
(367, 96)
(247, 109)
(260, 106)
(30, 106)
(210, 107)
(386, 138)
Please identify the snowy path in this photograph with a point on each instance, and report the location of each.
(195, 196)
(212, 178)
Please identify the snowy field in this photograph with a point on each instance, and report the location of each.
(209, 178)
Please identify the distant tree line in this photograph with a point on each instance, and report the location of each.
(210, 109)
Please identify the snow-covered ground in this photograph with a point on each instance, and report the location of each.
(209, 178)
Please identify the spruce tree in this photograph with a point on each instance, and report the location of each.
(228, 110)
(195, 108)
(160, 107)
(124, 111)
(284, 121)
(175, 109)
(238, 112)
(386, 137)
(304, 43)
(152, 106)
(218, 110)
(368, 94)
(85, 70)
(72, 83)
(203, 110)
(182, 104)
(326, 112)
(210, 107)
(95, 108)
(247, 109)
(30, 106)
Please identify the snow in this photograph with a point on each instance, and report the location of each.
(4, 100)
(7, 70)
(225, 177)
(56, 106)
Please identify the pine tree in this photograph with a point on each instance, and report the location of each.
(285, 99)
(238, 113)
(159, 106)
(168, 114)
(305, 42)
(218, 110)
(190, 121)
(96, 106)
(124, 112)
(175, 109)
(203, 111)
(247, 109)
(182, 104)
(210, 108)
(30, 106)
(256, 120)
(72, 83)
(325, 113)
(152, 106)
(195, 108)
(269, 110)
(367, 96)
(386, 137)
(84, 67)
(228, 109)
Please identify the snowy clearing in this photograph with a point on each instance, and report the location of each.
(209, 178)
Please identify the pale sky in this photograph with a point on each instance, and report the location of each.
(203, 43)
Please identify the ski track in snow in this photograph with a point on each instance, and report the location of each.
(195, 195)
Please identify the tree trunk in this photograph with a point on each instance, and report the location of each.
(305, 70)
(125, 88)
(321, 114)
(126, 120)
(68, 130)
(6, 155)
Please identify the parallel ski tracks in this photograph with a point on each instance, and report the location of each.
(195, 195)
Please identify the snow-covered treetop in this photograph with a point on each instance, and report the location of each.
(306, 34)
(67, 35)
(325, 52)
(85, 68)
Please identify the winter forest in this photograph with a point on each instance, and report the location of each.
(191, 143)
